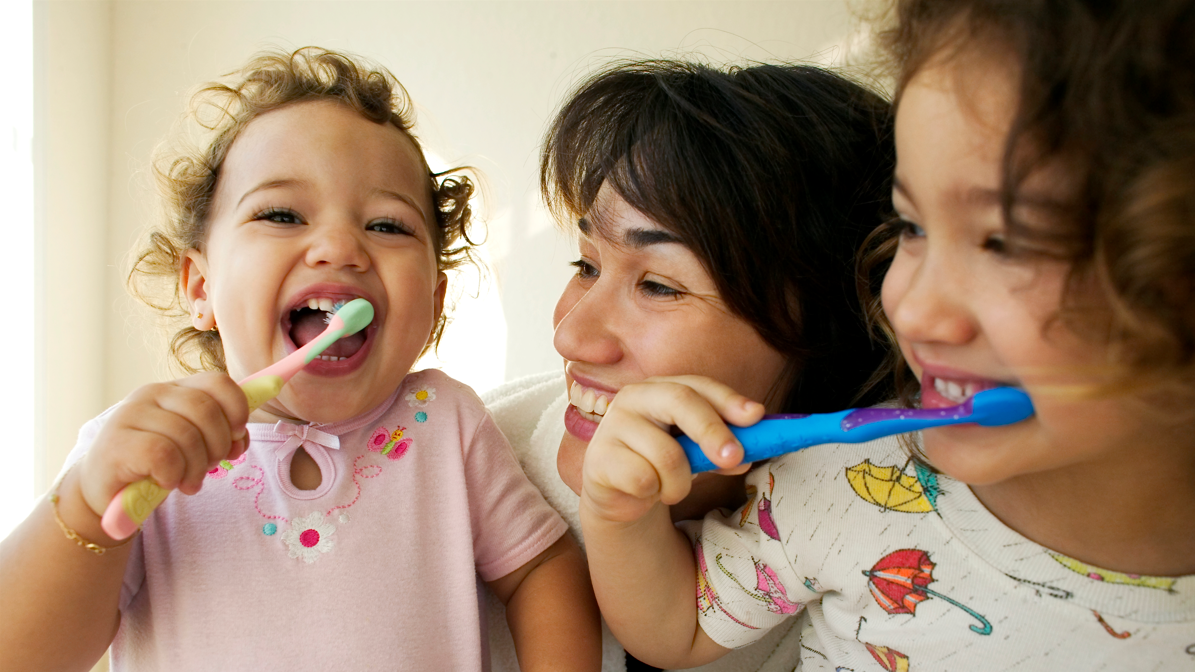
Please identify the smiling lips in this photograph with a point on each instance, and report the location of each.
(590, 404)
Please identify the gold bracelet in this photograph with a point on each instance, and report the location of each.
(73, 535)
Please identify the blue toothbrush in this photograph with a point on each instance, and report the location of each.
(780, 434)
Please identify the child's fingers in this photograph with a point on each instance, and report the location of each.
(733, 407)
(227, 394)
(620, 483)
(694, 405)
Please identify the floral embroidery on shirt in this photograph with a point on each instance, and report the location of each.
(309, 536)
(420, 416)
(421, 395)
(312, 535)
(226, 466)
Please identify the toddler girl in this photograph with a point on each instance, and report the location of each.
(345, 523)
(1044, 238)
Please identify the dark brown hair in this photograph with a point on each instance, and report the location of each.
(1107, 92)
(772, 175)
(187, 176)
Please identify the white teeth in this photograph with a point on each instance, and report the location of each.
(326, 305)
(330, 358)
(953, 391)
(313, 304)
(588, 401)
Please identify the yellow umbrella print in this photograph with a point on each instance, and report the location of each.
(891, 488)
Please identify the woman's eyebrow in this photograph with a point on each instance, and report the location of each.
(641, 238)
(633, 237)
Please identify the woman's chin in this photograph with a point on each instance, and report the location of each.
(570, 459)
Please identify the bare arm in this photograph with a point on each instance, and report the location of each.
(61, 600)
(643, 569)
(551, 610)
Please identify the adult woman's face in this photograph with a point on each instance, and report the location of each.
(642, 305)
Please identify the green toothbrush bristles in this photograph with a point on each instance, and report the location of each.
(356, 314)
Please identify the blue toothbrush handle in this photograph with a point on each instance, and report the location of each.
(776, 435)
(771, 437)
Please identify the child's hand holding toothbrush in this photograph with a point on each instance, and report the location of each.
(634, 461)
(171, 432)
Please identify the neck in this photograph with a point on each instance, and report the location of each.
(1133, 516)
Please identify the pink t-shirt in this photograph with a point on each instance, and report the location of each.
(376, 569)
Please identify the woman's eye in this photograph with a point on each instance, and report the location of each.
(389, 226)
(585, 270)
(655, 289)
(278, 216)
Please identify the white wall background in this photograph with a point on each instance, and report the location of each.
(112, 76)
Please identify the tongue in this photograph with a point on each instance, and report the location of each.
(306, 325)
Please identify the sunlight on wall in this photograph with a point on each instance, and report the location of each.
(473, 347)
(16, 272)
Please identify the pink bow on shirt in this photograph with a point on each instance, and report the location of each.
(303, 435)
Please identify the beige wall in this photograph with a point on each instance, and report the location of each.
(486, 76)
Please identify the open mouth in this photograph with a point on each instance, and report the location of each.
(306, 322)
(960, 391)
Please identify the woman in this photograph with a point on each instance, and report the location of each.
(719, 213)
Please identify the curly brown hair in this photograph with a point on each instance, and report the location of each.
(1107, 90)
(187, 175)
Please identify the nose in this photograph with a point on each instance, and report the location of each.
(927, 298)
(338, 244)
(586, 327)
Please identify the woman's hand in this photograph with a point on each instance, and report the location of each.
(633, 461)
(172, 432)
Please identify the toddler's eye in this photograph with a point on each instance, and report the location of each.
(278, 216)
(389, 226)
(585, 270)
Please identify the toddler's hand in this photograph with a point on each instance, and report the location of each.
(172, 432)
(633, 461)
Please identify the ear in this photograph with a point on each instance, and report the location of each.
(441, 290)
(192, 278)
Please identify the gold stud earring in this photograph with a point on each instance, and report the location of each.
(199, 316)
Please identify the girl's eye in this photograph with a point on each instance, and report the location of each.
(389, 226)
(908, 229)
(585, 270)
(655, 289)
(278, 216)
(996, 244)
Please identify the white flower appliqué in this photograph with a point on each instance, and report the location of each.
(309, 536)
(421, 395)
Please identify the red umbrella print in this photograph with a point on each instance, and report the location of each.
(898, 584)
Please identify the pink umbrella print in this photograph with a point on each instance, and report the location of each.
(898, 584)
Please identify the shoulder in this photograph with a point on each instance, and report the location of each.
(432, 386)
(525, 391)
